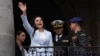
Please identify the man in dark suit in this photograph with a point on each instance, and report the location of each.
(60, 40)
(80, 39)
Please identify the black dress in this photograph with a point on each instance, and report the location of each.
(18, 52)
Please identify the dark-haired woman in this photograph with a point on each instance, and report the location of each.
(20, 37)
(38, 35)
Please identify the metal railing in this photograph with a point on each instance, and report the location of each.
(61, 51)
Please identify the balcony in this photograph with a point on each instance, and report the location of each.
(61, 51)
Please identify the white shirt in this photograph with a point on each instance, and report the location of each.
(59, 37)
(42, 37)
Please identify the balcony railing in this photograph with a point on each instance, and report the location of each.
(61, 51)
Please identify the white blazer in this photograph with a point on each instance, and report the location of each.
(35, 40)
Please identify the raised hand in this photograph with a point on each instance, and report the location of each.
(22, 7)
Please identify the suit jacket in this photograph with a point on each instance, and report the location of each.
(82, 38)
(35, 40)
(63, 41)
(81, 44)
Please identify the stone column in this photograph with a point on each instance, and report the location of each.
(7, 39)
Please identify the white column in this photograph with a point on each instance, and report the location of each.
(7, 39)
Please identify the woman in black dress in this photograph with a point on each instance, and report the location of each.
(20, 37)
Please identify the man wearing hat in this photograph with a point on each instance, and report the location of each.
(80, 39)
(59, 38)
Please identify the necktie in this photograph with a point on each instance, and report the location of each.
(57, 38)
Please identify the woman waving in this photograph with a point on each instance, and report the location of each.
(38, 34)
